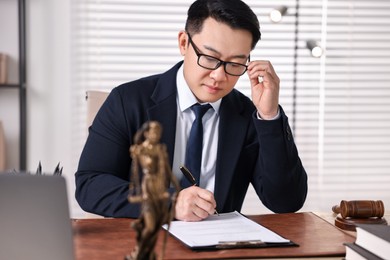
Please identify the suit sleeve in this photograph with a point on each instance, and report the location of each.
(103, 173)
(280, 179)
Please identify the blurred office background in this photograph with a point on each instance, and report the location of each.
(338, 103)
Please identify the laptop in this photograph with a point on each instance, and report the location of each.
(34, 218)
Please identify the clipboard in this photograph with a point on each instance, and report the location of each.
(226, 231)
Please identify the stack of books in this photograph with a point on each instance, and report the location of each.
(372, 243)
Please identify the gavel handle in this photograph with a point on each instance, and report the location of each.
(336, 209)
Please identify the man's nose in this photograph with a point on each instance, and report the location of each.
(218, 74)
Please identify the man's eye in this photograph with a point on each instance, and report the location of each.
(234, 65)
(211, 59)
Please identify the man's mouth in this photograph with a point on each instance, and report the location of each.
(212, 89)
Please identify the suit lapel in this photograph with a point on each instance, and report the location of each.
(231, 137)
(165, 108)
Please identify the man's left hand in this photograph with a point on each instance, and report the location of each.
(265, 88)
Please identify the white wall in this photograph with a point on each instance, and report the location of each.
(48, 77)
(48, 82)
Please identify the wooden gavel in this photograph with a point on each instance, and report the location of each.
(360, 209)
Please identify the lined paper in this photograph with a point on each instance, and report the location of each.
(222, 228)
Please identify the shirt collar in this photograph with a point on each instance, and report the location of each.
(185, 96)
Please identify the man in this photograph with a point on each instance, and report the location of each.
(244, 141)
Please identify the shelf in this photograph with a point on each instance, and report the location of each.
(21, 86)
(9, 85)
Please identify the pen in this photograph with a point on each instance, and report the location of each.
(188, 175)
(190, 178)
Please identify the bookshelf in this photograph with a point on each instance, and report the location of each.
(21, 85)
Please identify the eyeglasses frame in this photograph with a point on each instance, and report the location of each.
(220, 62)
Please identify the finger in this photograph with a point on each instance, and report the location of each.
(256, 78)
(208, 197)
(263, 70)
(261, 65)
(204, 207)
(191, 217)
(200, 212)
(257, 75)
(185, 204)
(190, 206)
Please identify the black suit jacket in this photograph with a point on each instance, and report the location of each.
(249, 150)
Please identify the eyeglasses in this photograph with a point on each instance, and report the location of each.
(212, 63)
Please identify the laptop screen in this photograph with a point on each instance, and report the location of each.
(34, 218)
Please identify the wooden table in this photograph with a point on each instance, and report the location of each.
(114, 238)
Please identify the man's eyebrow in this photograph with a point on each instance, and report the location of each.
(239, 56)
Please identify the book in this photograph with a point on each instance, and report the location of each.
(2, 147)
(227, 230)
(3, 68)
(355, 252)
(374, 238)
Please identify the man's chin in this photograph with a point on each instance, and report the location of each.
(209, 97)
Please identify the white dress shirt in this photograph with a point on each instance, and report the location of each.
(184, 120)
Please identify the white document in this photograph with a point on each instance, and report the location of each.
(228, 228)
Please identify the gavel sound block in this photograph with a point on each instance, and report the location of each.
(359, 212)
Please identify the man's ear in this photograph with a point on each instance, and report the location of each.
(183, 42)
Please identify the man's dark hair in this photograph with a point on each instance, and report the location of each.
(234, 13)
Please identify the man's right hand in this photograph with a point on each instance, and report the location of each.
(194, 204)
